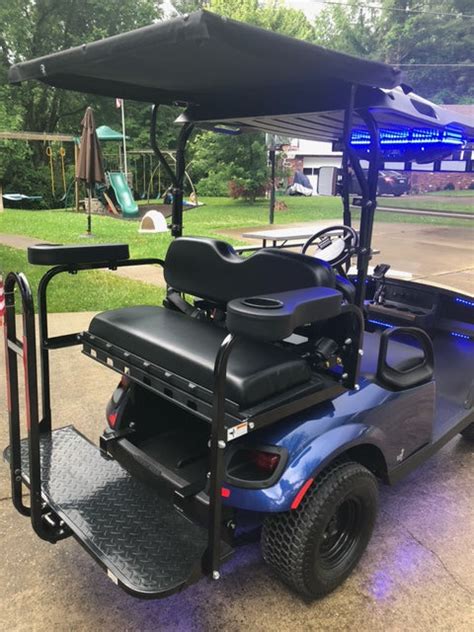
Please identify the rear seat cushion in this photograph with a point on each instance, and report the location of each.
(188, 348)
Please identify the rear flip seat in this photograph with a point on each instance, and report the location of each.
(188, 347)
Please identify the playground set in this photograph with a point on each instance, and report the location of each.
(115, 198)
(270, 393)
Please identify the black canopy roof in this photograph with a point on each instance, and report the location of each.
(227, 71)
(319, 115)
(200, 59)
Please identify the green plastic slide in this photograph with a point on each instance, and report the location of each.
(123, 195)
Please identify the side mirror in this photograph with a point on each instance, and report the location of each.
(327, 181)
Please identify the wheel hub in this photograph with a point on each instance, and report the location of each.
(341, 534)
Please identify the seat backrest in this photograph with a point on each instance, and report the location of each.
(341, 283)
(212, 270)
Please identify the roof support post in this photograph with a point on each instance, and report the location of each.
(176, 177)
(346, 178)
(177, 212)
(369, 204)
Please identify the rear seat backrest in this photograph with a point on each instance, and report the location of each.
(211, 269)
(341, 283)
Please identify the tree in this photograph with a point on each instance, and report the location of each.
(238, 164)
(31, 28)
(188, 6)
(409, 32)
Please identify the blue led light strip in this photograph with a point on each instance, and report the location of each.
(464, 301)
(417, 136)
(463, 336)
(380, 322)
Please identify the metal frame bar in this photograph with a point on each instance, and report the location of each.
(348, 116)
(156, 149)
(27, 350)
(177, 210)
(177, 177)
(212, 556)
(369, 205)
(68, 340)
(368, 187)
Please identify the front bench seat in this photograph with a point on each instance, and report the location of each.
(188, 348)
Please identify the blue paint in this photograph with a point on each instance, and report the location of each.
(314, 437)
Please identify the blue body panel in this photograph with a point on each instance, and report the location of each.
(397, 423)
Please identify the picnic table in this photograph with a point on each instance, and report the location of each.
(297, 236)
(301, 233)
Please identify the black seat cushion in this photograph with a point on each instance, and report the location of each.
(401, 356)
(188, 347)
(57, 254)
(212, 270)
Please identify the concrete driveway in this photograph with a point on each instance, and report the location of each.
(438, 254)
(418, 572)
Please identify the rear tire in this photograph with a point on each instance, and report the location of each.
(316, 546)
(468, 433)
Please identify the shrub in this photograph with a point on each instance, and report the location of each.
(246, 188)
(449, 187)
(214, 185)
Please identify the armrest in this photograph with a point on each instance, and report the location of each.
(276, 316)
(56, 254)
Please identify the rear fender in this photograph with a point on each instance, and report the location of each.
(305, 465)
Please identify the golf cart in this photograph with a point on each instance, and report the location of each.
(271, 391)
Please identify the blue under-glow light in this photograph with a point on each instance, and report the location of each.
(380, 322)
(464, 301)
(458, 335)
(417, 136)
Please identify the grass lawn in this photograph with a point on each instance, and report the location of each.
(436, 201)
(102, 290)
(217, 214)
(87, 291)
(457, 193)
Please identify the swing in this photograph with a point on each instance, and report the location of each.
(62, 154)
(49, 153)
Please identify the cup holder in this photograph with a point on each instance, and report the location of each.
(261, 302)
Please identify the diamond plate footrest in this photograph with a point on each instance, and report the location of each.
(146, 546)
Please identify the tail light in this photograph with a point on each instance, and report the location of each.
(388, 179)
(113, 407)
(265, 462)
(251, 467)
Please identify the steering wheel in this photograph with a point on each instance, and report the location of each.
(335, 244)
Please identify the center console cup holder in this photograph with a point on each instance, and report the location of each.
(261, 302)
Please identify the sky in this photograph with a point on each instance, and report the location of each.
(311, 8)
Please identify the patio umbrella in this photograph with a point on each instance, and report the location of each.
(90, 168)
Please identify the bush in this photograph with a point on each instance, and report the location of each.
(449, 187)
(214, 185)
(246, 189)
(471, 186)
